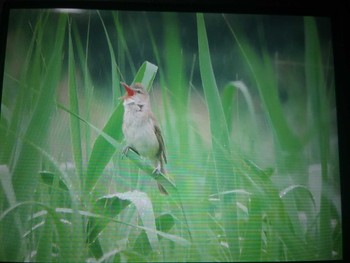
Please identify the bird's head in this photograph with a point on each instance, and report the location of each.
(135, 93)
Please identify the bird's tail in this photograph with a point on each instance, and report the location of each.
(162, 189)
(160, 165)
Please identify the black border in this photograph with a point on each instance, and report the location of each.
(338, 11)
(296, 7)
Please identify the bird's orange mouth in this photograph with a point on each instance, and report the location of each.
(129, 90)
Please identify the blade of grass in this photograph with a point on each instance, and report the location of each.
(114, 67)
(75, 130)
(176, 239)
(156, 51)
(269, 220)
(75, 235)
(23, 179)
(145, 211)
(218, 122)
(44, 249)
(9, 143)
(220, 138)
(71, 242)
(261, 68)
(109, 207)
(175, 77)
(11, 248)
(315, 82)
(164, 223)
(48, 178)
(227, 96)
(164, 180)
(24, 173)
(146, 74)
(108, 138)
(123, 49)
(88, 85)
(66, 236)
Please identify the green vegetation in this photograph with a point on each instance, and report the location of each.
(252, 176)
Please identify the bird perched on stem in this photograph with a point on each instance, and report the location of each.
(141, 129)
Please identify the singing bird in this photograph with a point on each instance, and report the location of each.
(141, 128)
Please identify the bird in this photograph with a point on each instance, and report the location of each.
(141, 129)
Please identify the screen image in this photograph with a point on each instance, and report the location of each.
(163, 136)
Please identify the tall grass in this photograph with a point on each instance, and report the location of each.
(67, 195)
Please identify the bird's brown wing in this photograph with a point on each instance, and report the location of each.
(160, 142)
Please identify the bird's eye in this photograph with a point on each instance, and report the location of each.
(139, 91)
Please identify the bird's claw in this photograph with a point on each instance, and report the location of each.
(125, 152)
(157, 170)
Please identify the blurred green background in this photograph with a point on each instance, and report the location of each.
(247, 109)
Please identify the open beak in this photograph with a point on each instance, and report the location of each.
(129, 90)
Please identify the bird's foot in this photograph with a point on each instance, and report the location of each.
(157, 170)
(125, 152)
